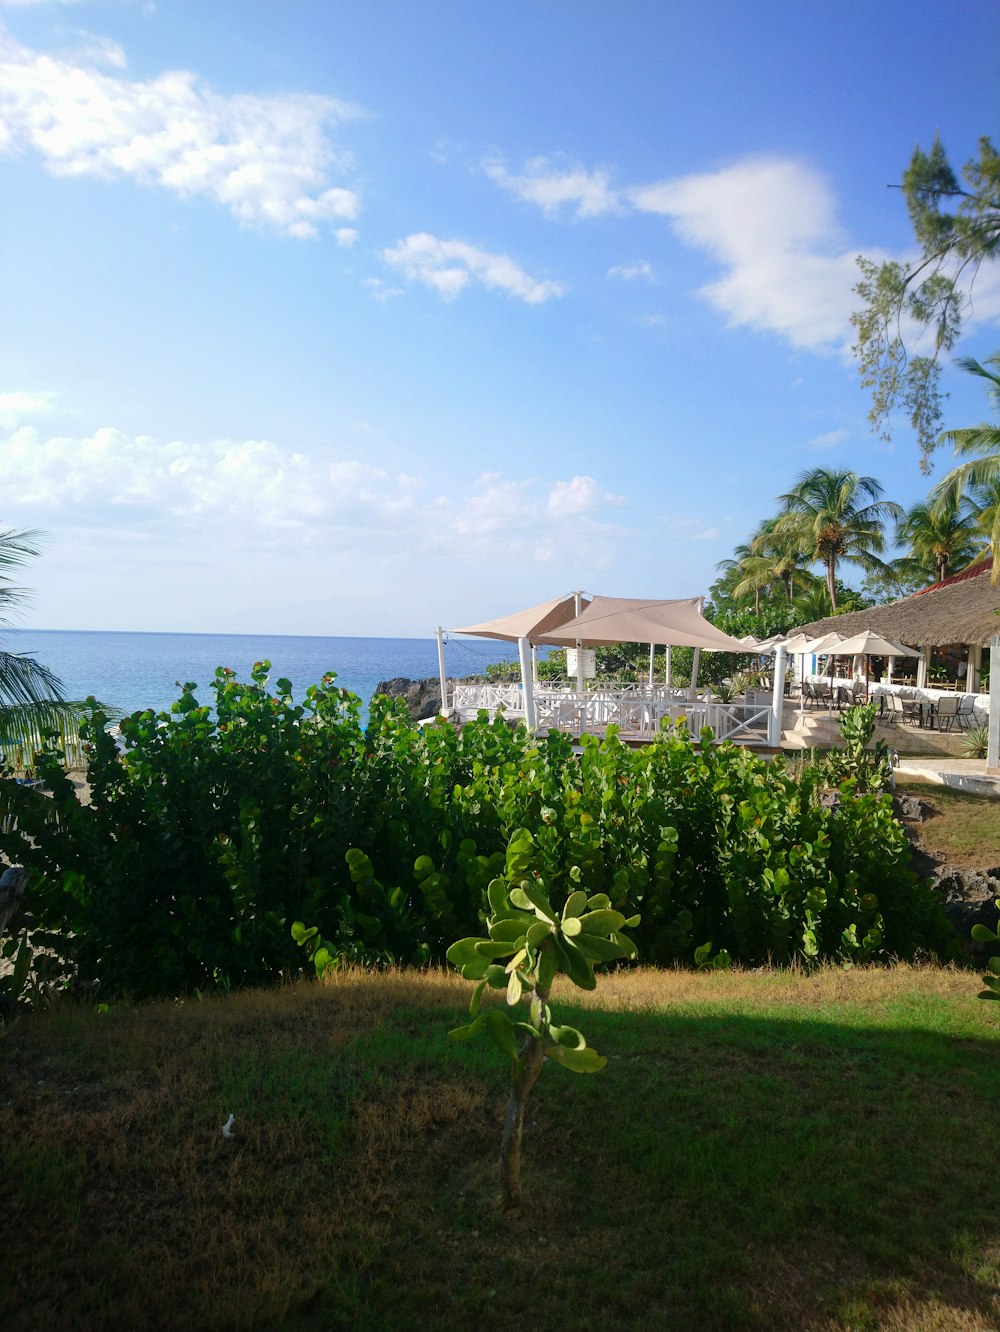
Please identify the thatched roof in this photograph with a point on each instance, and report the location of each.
(962, 609)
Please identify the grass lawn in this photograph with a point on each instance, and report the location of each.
(961, 826)
(764, 1150)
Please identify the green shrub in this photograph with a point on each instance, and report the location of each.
(216, 832)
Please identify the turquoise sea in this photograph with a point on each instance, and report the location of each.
(132, 671)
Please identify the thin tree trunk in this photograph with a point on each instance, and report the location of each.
(831, 584)
(526, 1071)
(532, 1057)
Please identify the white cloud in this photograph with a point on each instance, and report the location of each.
(346, 236)
(580, 495)
(18, 407)
(247, 494)
(770, 223)
(630, 272)
(267, 159)
(449, 265)
(554, 185)
(830, 440)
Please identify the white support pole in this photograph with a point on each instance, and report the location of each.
(693, 687)
(652, 659)
(975, 668)
(527, 690)
(993, 732)
(442, 674)
(667, 671)
(534, 664)
(579, 646)
(777, 698)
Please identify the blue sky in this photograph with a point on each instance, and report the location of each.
(358, 318)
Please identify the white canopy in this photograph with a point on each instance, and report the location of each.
(609, 620)
(825, 646)
(533, 623)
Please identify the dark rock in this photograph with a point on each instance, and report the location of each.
(422, 697)
(911, 807)
(968, 896)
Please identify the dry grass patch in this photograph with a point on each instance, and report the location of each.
(764, 1150)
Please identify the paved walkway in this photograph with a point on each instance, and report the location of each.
(965, 774)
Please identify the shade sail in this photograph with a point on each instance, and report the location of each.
(532, 623)
(869, 643)
(609, 620)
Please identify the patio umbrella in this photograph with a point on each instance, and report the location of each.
(868, 643)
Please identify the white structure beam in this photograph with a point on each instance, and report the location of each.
(527, 684)
(993, 742)
(777, 698)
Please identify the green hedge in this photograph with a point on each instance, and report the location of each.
(221, 827)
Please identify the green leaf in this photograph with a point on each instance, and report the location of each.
(497, 948)
(571, 927)
(514, 988)
(548, 965)
(576, 904)
(577, 1061)
(477, 997)
(509, 930)
(464, 950)
(464, 1033)
(602, 922)
(574, 964)
(568, 1036)
(538, 900)
(599, 902)
(983, 934)
(423, 866)
(538, 933)
(599, 949)
(497, 895)
(499, 1026)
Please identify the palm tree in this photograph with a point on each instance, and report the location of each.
(942, 539)
(980, 445)
(770, 559)
(31, 699)
(838, 516)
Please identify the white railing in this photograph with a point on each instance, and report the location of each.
(472, 697)
(638, 712)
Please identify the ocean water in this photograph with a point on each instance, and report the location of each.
(133, 671)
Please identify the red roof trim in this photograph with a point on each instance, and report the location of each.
(962, 577)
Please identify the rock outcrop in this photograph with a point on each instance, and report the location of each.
(422, 697)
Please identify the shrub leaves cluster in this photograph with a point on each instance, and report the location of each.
(219, 829)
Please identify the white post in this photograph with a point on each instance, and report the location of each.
(667, 671)
(777, 699)
(693, 688)
(652, 658)
(527, 691)
(975, 668)
(579, 647)
(442, 674)
(534, 664)
(891, 661)
(993, 734)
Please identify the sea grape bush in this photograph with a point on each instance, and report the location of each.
(219, 829)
